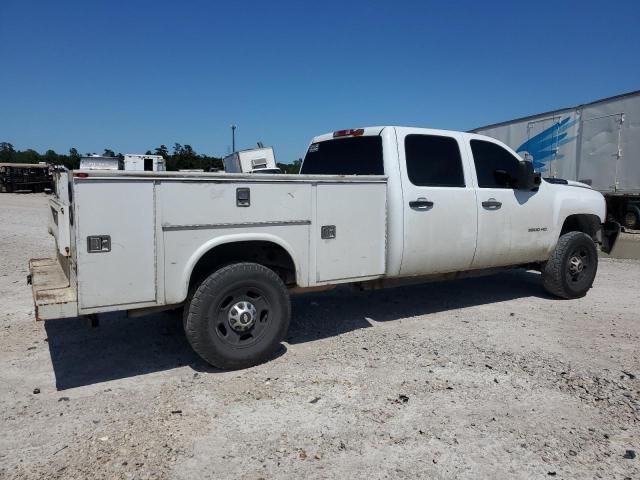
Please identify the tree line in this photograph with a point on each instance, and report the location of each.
(181, 157)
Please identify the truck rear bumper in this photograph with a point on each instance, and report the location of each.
(52, 295)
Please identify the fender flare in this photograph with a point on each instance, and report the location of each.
(234, 238)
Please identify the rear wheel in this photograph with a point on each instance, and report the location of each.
(572, 266)
(632, 218)
(238, 316)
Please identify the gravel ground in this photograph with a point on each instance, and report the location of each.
(479, 378)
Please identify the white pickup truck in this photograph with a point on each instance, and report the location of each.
(373, 206)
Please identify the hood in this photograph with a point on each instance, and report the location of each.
(573, 183)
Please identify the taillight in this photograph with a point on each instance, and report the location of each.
(80, 174)
(352, 132)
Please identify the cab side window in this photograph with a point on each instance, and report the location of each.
(433, 161)
(495, 166)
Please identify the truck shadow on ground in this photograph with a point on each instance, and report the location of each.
(126, 347)
(120, 347)
(331, 313)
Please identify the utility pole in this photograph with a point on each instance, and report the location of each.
(233, 138)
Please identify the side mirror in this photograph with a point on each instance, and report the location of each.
(527, 179)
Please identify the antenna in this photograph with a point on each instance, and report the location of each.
(233, 138)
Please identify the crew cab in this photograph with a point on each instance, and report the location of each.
(374, 207)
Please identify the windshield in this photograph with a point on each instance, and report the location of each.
(345, 156)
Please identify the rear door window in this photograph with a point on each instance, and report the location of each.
(345, 156)
(433, 161)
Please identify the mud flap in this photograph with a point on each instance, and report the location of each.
(610, 232)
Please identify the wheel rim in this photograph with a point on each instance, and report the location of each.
(630, 219)
(241, 317)
(578, 265)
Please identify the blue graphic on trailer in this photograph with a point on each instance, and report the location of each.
(544, 146)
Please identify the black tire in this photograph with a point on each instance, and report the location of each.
(632, 217)
(238, 316)
(572, 266)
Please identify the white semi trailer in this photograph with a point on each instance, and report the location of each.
(597, 143)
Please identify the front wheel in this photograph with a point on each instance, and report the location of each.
(572, 266)
(238, 316)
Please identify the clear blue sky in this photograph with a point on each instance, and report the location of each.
(130, 75)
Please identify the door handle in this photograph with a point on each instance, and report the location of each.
(421, 204)
(492, 204)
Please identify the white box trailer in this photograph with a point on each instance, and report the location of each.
(98, 162)
(597, 143)
(144, 163)
(254, 160)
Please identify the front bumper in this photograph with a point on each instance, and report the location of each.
(53, 296)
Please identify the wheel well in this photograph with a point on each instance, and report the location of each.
(265, 253)
(583, 222)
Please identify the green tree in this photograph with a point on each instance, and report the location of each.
(7, 152)
(188, 151)
(162, 150)
(74, 159)
(51, 157)
(293, 168)
(28, 156)
(189, 158)
(183, 157)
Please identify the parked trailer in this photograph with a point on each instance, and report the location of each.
(597, 143)
(97, 162)
(253, 160)
(15, 177)
(144, 163)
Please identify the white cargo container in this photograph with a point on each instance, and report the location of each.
(144, 163)
(596, 143)
(98, 162)
(254, 160)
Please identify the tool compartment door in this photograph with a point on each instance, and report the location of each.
(122, 215)
(350, 230)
